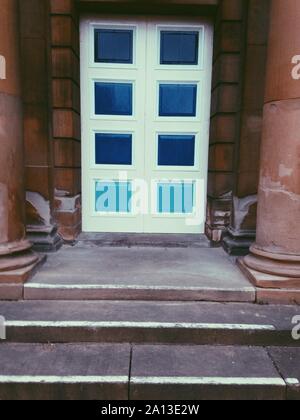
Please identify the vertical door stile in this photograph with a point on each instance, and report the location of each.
(146, 87)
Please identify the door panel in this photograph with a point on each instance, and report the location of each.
(145, 86)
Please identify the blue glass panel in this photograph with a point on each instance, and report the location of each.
(113, 149)
(176, 197)
(113, 197)
(176, 150)
(179, 47)
(113, 46)
(177, 100)
(113, 98)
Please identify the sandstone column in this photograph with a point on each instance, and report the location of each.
(16, 259)
(274, 262)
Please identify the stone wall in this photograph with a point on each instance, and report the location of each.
(240, 52)
(50, 61)
(242, 228)
(228, 66)
(66, 116)
(36, 95)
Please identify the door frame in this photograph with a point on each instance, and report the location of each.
(207, 95)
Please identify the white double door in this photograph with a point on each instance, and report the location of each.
(145, 96)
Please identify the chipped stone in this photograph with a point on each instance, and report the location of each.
(40, 206)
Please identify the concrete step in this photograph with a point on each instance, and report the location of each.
(144, 240)
(287, 361)
(205, 373)
(83, 291)
(144, 372)
(87, 272)
(64, 372)
(149, 322)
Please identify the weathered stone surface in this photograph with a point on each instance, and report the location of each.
(11, 292)
(247, 150)
(225, 110)
(22, 274)
(139, 273)
(15, 254)
(204, 373)
(64, 372)
(276, 252)
(198, 323)
(287, 361)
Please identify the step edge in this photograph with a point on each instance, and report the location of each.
(55, 379)
(51, 286)
(182, 380)
(133, 324)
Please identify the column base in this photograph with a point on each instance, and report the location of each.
(12, 281)
(19, 268)
(44, 239)
(14, 247)
(238, 243)
(276, 276)
(272, 289)
(18, 263)
(282, 266)
(268, 281)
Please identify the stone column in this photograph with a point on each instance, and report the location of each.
(16, 258)
(274, 262)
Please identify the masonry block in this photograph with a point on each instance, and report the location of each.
(227, 69)
(39, 180)
(220, 183)
(223, 128)
(221, 157)
(66, 124)
(64, 33)
(65, 94)
(68, 180)
(65, 64)
(67, 153)
(62, 6)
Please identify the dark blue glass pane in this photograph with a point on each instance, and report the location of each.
(113, 149)
(176, 150)
(113, 46)
(177, 100)
(113, 98)
(179, 47)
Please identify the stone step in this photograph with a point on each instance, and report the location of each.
(50, 291)
(206, 373)
(165, 274)
(149, 322)
(143, 372)
(144, 240)
(64, 372)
